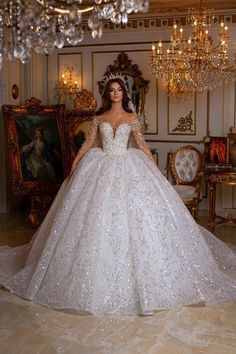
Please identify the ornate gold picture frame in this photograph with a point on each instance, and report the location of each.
(36, 147)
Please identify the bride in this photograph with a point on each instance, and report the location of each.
(118, 239)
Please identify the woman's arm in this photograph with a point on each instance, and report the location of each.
(28, 147)
(86, 145)
(139, 139)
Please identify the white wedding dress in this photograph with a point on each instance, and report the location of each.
(118, 240)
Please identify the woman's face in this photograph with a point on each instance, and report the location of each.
(116, 92)
(38, 134)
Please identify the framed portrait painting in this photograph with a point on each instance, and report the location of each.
(36, 147)
(217, 151)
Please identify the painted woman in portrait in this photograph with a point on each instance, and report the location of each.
(38, 158)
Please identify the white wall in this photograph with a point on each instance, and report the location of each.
(214, 112)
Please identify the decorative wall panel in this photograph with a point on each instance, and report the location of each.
(182, 116)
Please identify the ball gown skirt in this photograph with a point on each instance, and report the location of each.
(118, 240)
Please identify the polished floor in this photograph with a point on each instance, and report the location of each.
(27, 328)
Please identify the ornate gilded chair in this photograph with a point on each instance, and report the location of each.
(186, 167)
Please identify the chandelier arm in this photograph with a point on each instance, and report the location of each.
(63, 11)
(215, 48)
(229, 69)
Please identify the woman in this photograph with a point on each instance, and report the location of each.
(37, 158)
(118, 239)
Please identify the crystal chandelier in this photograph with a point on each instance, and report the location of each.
(43, 25)
(194, 64)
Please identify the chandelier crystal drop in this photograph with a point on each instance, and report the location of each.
(194, 64)
(43, 25)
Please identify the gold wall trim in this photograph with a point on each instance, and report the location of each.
(119, 44)
(150, 22)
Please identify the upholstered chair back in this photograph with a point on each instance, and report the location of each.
(186, 164)
(186, 167)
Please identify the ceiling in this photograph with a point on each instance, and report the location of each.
(176, 6)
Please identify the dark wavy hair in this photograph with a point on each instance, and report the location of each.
(106, 102)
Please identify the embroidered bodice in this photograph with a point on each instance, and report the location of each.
(115, 140)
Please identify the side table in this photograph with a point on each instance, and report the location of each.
(213, 179)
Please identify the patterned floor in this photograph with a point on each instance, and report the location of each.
(27, 328)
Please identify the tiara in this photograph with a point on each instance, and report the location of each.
(103, 83)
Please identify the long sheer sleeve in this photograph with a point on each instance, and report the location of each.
(88, 143)
(139, 140)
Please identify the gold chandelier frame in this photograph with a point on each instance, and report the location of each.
(64, 8)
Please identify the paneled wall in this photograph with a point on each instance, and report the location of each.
(212, 112)
(9, 75)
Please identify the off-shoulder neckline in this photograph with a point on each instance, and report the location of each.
(118, 125)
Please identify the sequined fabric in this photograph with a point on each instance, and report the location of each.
(118, 240)
(89, 142)
(114, 140)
